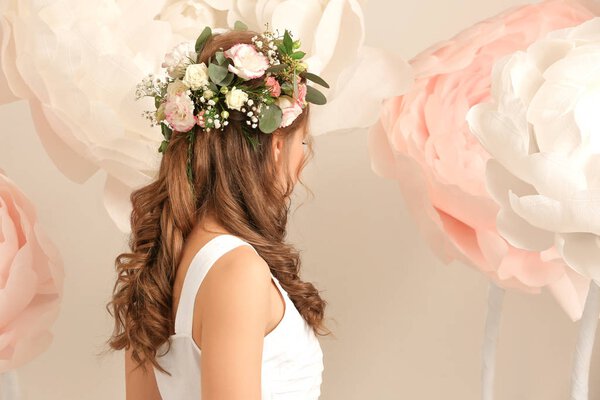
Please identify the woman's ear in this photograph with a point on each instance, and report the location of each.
(277, 146)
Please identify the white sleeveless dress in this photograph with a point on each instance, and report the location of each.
(292, 360)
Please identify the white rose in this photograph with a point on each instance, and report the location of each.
(196, 76)
(235, 98)
(178, 59)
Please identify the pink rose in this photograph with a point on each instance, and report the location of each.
(422, 140)
(200, 118)
(289, 108)
(31, 278)
(273, 86)
(301, 94)
(248, 63)
(179, 112)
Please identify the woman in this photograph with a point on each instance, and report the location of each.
(210, 295)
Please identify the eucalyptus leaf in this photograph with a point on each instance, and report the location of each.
(217, 73)
(287, 88)
(201, 41)
(212, 86)
(270, 118)
(276, 68)
(314, 78)
(240, 26)
(220, 57)
(227, 80)
(314, 96)
(295, 83)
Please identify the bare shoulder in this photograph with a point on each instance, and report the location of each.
(242, 265)
(240, 276)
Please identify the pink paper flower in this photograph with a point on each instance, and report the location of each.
(179, 112)
(422, 140)
(290, 109)
(273, 86)
(31, 280)
(248, 63)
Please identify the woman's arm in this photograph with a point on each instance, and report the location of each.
(138, 384)
(235, 317)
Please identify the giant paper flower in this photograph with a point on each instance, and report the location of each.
(78, 62)
(422, 140)
(542, 129)
(31, 280)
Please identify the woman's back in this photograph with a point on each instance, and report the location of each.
(292, 360)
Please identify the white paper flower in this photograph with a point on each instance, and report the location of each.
(235, 98)
(196, 76)
(179, 58)
(543, 131)
(78, 62)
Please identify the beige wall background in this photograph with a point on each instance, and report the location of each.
(407, 327)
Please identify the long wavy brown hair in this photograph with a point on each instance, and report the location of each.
(233, 182)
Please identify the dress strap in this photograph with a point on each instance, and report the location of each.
(199, 267)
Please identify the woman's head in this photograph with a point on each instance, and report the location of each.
(246, 189)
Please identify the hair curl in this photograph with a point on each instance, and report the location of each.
(232, 182)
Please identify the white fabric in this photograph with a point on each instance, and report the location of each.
(292, 362)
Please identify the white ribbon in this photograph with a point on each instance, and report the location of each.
(490, 340)
(580, 375)
(9, 386)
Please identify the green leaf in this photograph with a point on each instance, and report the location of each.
(157, 101)
(297, 55)
(163, 146)
(166, 131)
(314, 96)
(276, 68)
(295, 83)
(314, 78)
(287, 42)
(228, 79)
(217, 73)
(270, 118)
(240, 26)
(220, 57)
(282, 48)
(212, 86)
(287, 88)
(201, 41)
(296, 44)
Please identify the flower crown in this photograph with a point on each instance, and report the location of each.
(195, 96)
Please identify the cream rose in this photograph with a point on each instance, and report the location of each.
(176, 87)
(196, 76)
(235, 98)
